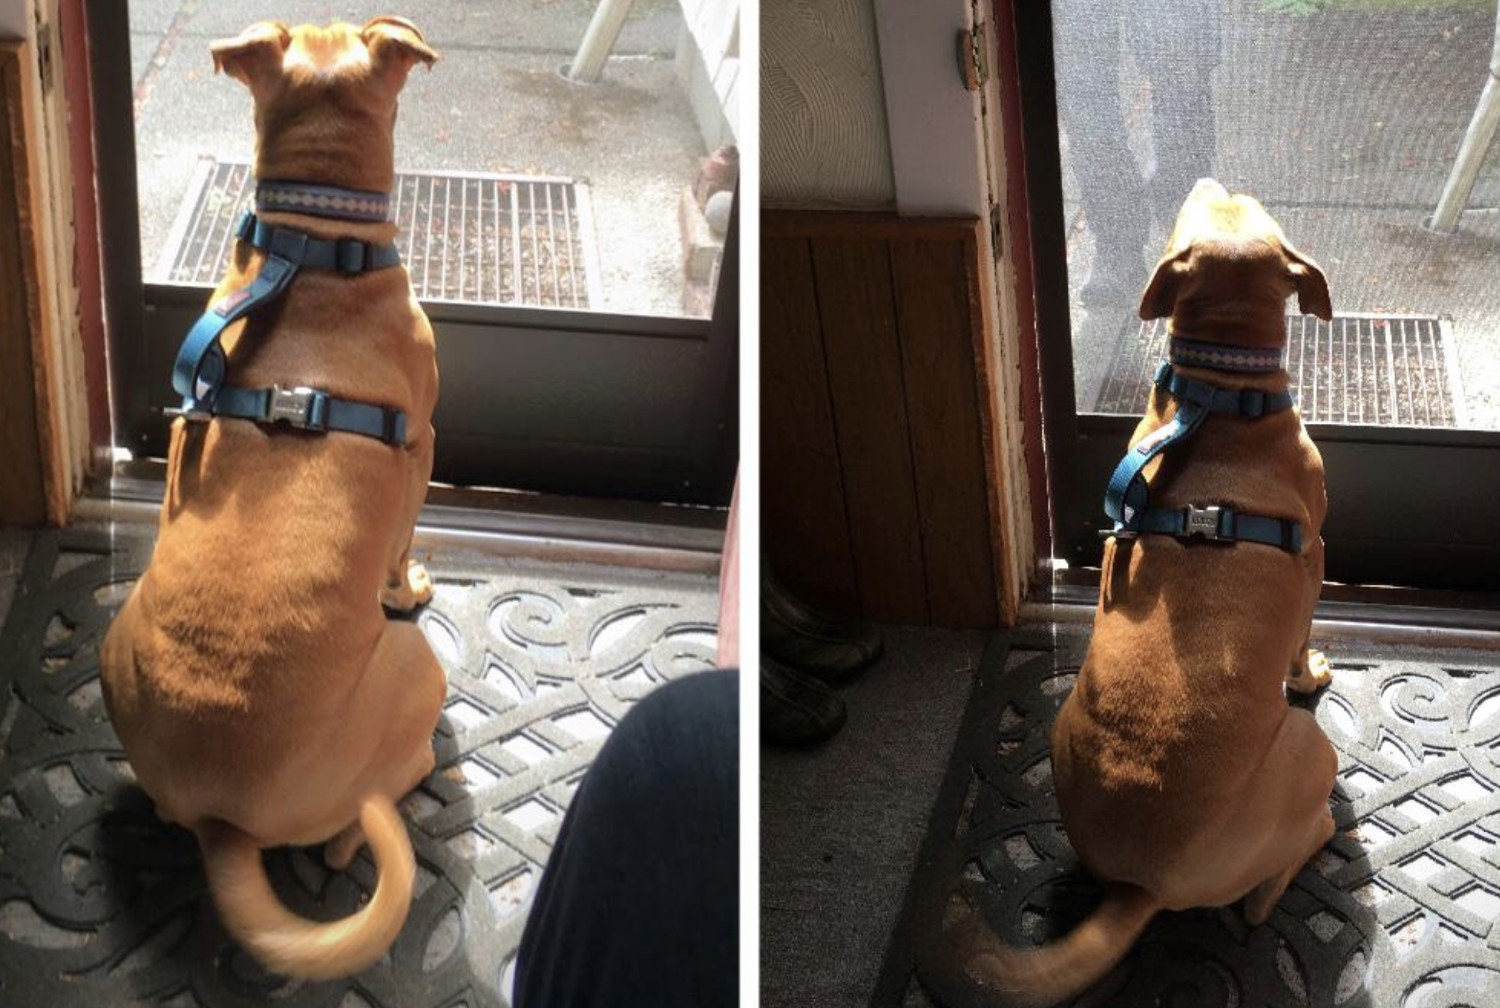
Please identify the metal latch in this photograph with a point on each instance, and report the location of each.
(1203, 521)
(297, 407)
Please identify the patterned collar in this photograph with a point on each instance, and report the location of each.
(1225, 356)
(322, 201)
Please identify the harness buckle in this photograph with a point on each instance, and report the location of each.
(303, 408)
(1203, 521)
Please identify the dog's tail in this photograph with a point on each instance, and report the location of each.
(1056, 972)
(294, 946)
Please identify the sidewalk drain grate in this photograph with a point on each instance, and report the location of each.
(1386, 370)
(464, 236)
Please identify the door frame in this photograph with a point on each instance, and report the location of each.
(1412, 507)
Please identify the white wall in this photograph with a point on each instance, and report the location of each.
(823, 139)
(15, 19)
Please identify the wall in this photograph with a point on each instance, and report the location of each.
(15, 19)
(875, 496)
(824, 140)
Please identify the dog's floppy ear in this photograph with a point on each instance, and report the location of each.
(396, 45)
(1311, 284)
(253, 57)
(1161, 293)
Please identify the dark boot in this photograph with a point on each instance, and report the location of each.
(798, 635)
(795, 708)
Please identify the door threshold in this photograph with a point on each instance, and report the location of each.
(500, 523)
(1332, 620)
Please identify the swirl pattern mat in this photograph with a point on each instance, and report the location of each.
(101, 904)
(1399, 910)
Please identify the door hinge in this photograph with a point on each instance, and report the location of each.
(44, 56)
(971, 66)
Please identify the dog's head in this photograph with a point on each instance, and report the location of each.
(325, 98)
(1226, 255)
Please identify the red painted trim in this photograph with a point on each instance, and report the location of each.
(87, 264)
(1019, 223)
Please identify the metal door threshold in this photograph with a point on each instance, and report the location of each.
(1345, 621)
(534, 533)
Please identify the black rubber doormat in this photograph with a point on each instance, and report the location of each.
(471, 237)
(102, 905)
(1398, 911)
(1385, 370)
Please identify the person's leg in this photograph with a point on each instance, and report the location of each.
(639, 904)
(1110, 191)
(1180, 61)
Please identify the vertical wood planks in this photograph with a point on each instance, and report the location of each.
(804, 529)
(857, 312)
(932, 307)
(875, 486)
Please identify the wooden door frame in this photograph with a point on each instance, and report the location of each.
(51, 385)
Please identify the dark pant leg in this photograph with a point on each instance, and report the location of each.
(639, 904)
(1178, 47)
(1111, 193)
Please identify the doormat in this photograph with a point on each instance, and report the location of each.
(1399, 909)
(101, 904)
(470, 237)
(1385, 370)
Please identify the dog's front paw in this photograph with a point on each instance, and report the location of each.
(1309, 673)
(406, 596)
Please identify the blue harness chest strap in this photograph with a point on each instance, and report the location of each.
(200, 370)
(313, 410)
(1126, 499)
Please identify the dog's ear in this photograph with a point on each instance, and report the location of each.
(1311, 284)
(396, 45)
(1161, 293)
(253, 57)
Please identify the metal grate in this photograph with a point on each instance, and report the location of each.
(479, 238)
(1386, 370)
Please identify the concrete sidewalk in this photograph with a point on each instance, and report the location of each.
(495, 102)
(1345, 124)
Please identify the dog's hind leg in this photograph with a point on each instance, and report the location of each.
(1264, 897)
(407, 583)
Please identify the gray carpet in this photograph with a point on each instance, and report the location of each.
(1399, 909)
(841, 824)
(102, 905)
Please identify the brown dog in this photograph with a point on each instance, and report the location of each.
(261, 694)
(1183, 776)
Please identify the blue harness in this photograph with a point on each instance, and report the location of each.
(200, 369)
(1126, 501)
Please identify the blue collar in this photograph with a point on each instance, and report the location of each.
(1224, 356)
(322, 201)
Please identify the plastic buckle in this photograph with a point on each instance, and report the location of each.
(350, 255)
(1252, 402)
(303, 408)
(1204, 522)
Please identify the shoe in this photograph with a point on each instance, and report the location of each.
(795, 708)
(795, 634)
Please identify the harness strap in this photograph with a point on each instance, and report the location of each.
(311, 409)
(200, 367)
(1126, 497)
(1219, 524)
